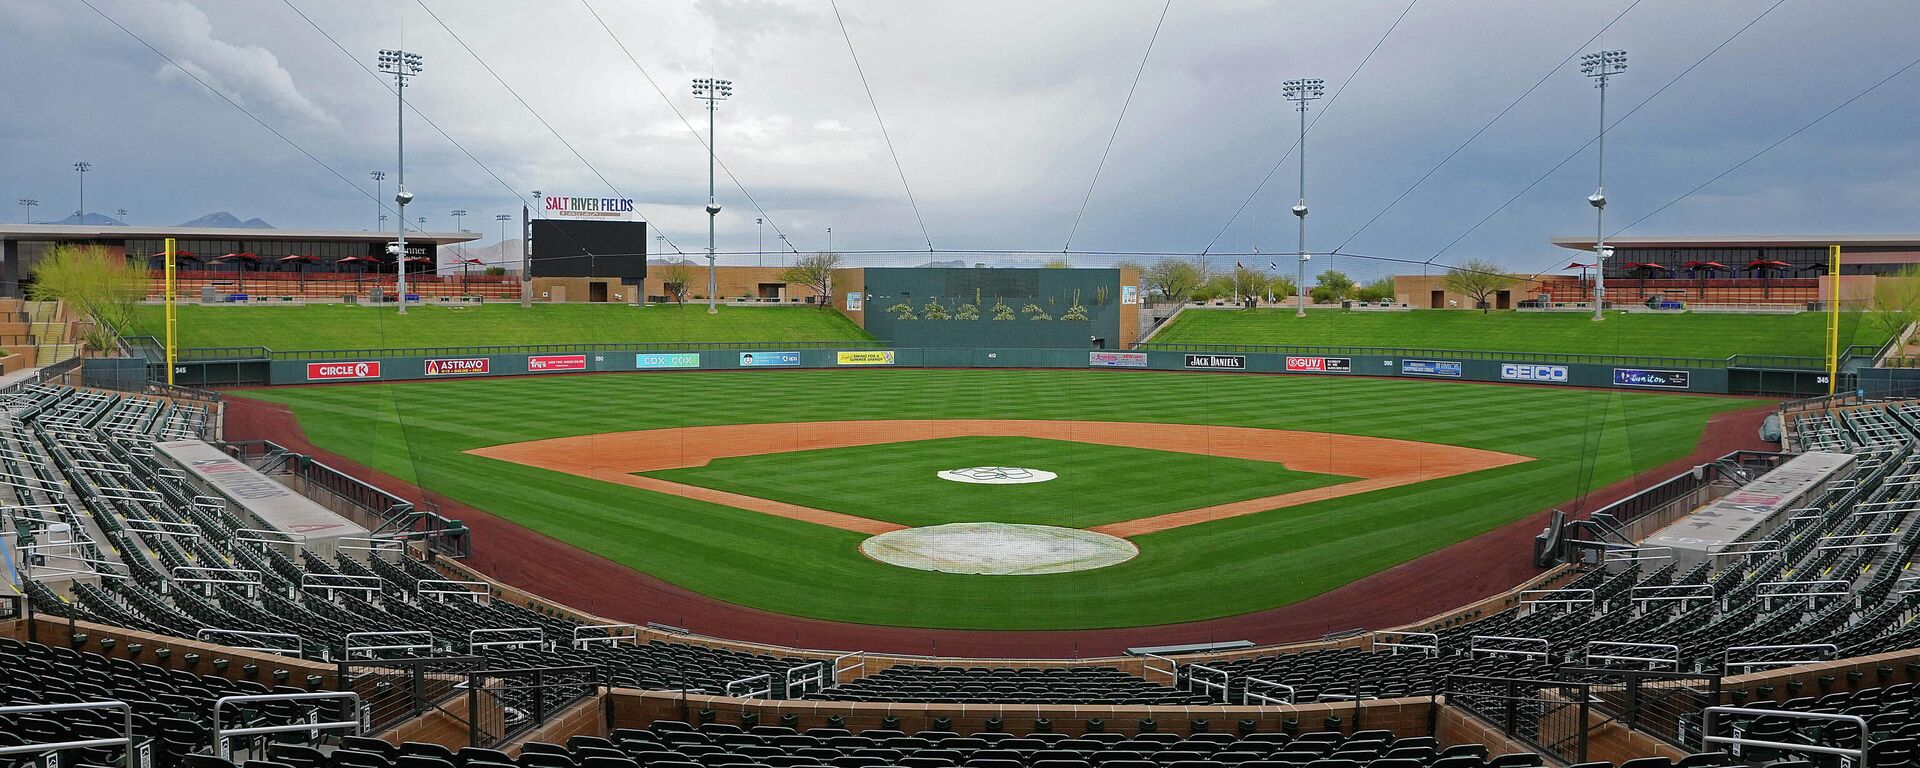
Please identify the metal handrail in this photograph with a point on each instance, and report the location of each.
(1193, 678)
(1248, 697)
(222, 735)
(749, 692)
(632, 633)
(126, 729)
(299, 649)
(1858, 755)
(1172, 670)
(1727, 663)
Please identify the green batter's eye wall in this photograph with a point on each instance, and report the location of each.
(1036, 308)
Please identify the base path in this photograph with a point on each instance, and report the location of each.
(1378, 462)
(1473, 569)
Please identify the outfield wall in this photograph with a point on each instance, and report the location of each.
(1649, 374)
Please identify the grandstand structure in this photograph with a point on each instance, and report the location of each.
(162, 620)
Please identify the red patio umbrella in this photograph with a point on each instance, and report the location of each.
(363, 261)
(1765, 267)
(466, 264)
(298, 261)
(1701, 268)
(239, 262)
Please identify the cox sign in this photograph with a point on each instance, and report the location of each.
(1529, 372)
(339, 371)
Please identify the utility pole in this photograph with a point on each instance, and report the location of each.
(1300, 92)
(711, 91)
(1601, 66)
(401, 65)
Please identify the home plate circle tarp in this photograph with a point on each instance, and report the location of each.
(998, 549)
(996, 475)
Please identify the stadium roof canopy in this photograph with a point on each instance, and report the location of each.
(1746, 241)
(85, 232)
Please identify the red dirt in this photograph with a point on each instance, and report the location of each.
(1377, 462)
(1471, 570)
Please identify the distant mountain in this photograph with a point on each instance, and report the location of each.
(92, 219)
(954, 264)
(227, 220)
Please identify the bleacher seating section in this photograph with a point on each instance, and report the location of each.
(99, 531)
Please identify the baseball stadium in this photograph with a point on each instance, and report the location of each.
(335, 498)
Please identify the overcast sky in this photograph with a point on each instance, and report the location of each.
(999, 112)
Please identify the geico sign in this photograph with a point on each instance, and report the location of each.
(1530, 372)
(326, 371)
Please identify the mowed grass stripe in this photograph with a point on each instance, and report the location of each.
(1195, 572)
(349, 326)
(1715, 336)
(898, 482)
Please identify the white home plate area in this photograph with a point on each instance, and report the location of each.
(998, 549)
(996, 475)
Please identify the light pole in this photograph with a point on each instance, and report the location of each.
(458, 220)
(401, 65)
(379, 190)
(28, 203)
(829, 239)
(711, 91)
(1301, 92)
(503, 219)
(81, 168)
(1601, 66)
(760, 253)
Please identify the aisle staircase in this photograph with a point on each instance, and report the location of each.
(47, 324)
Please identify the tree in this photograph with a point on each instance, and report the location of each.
(94, 282)
(1376, 291)
(1249, 284)
(1283, 287)
(815, 271)
(1333, 284)
(1175, 280)
(674, 278)
(1896, 305)
(1057, 262)
(1478, 278)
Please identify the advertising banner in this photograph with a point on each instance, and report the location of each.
(1529, 372)
(1117, 359)
(1640, 377)
(1447, 368)
(596, 208)
(1320, 364)
(764, 359)
(458, 366)
(667, 360)
(1217, 362)
(544, 363)
(864, 357)
(855, 300)
(1129, 294)
(339, 371)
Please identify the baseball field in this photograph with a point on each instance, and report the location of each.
(1239, 493)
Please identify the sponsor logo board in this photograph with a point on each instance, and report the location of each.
(855, 300)
(864, 357)
(667, 360)
(366, 369)
(458, 366)
(1530, 372)
(1641, 377)
(1447, 368)
(1217, 362)
(543, 363)
(1117, 359)
(602, 208)
(764, 359)
(1129, 294)
(1320, 364)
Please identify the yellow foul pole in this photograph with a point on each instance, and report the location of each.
(168, 301)
(1833, 318)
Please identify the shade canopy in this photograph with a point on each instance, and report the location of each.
(358, 260)
(1705, 265)
(299, 258)
(1767, 264)
(237, 257)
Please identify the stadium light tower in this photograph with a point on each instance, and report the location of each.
(123, 215)
(379, 190)
(711, 91)
(1301, 92)
(1601, 66)
(28, 203)
(458, 218)
(402, 65)
(81, 169)
(503, 218)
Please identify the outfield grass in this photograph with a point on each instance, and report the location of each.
(417, 431)
(348, 326)
(895, 482)
(1716, 336)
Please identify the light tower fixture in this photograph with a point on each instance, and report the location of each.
(459, 217)
(503, 218)
(379, 191)
(402, 65)
(81, 169)
(1601, 66)
(28, 203)
(1302, 92)
(712, 91)
(123, 214)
